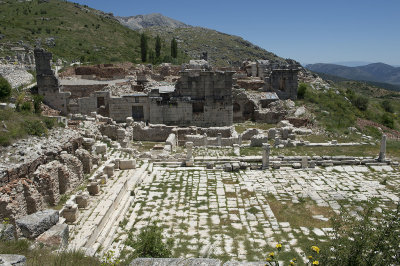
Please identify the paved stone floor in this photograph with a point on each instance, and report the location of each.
(243, 215)
(230, 215)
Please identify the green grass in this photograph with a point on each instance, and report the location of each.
(45, 256)
(21, 124)
(80, 32)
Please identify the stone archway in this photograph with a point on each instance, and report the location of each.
(236, 107)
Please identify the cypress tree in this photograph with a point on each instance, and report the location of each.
(174, 48)
(143, 47)
(158, 46)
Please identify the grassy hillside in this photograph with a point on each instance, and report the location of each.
(70, 31)
(223, 49)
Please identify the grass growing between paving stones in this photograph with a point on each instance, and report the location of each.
(241, 127)
(300, 214)
(45, 256)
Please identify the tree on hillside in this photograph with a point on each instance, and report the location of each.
(5, 88)
(143, 47)
(158, 46)
(174, 48)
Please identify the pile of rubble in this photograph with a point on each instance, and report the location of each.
(16, 75)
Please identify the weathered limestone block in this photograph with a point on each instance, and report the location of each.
(35, 224)
(235, 167)
(249, 133)
(227, 167)
(82, 199)
(276, 165)
(101, 148)
(171, 140)
(304, 162)
(70, 213)
(6, 232)
(258, 140)
(189, 154)
(93, 188)
(88, 143)
(243, 165)
(272, 133)
(109, 169)
(127, 164)
(210, 165)
(12, 259)
(296, 165)
(382, 152)
(102, 179)
(57, 236)
(86, 159)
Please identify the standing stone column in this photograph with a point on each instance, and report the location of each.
(205, 140)
(236, 149)
(219, 139)
(240, 139)
(304, 162)
(189, 154)
(382, 153)
(265, 157)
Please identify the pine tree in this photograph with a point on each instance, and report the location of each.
(158, 46)
(174, 48)
(143, 47)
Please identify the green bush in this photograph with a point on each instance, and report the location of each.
(49, 122)
(387, 120)
(301, 91)
(36, 128)
(369, 238)
(5, 88)
(361, 103)
(149, 243)
(387, 106)
(26, 107)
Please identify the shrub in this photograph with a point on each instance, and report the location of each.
(301, 91)
(49, 122)
(26, 107)
(35, 127)
(149, 243)
(387, 106)
(37, 103)
(387, 120)
(5, 88)
(361, 103)
(369, 238)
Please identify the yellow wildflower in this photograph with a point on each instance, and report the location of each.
(279, 246)
(291, 263)
(315, 248)
(294, 259)
(272, 254)
(315, 262)
(268, 259)
(310, 257)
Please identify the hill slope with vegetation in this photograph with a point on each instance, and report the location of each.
(223, 49)
(70, 31)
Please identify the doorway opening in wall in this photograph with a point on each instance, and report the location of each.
(198, 107)
(137, 113)
(100, 102)
(282, 85)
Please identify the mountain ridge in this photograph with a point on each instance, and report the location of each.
(376, 72)
(140, 22)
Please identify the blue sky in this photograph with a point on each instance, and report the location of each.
(309, 31)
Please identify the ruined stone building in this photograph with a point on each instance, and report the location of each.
(200, 98)
(278, 77)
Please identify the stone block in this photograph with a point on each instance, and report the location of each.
(12, 259)
(235, 167)
(258, 140)
(6, 232)
(82, 200)
(227, 167)
(296, 165)
(57, 236)
(243, 165)
(127, 164)
(35, 224)
(210, 165)
(101, 148)
(276, 165)
(109, 169)
(70, 213)
(93, 188)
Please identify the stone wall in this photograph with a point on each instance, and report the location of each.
(283, 82)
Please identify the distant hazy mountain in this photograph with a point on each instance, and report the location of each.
(151, 20)
(352, 63)
(377, 72)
